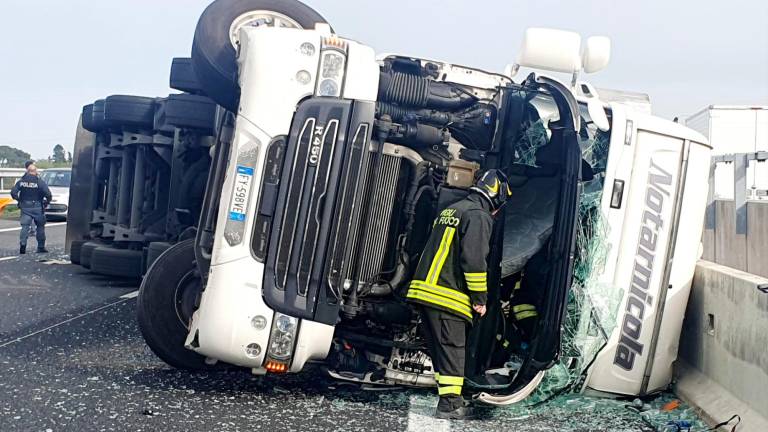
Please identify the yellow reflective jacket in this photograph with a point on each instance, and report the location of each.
(452, 274)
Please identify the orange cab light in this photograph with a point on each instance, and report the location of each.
(276, 367)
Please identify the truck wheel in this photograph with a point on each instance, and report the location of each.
(74, 251)
(167, 298)
(183, 76)
(98, 123)
(130, 110)
(86, 252)
(154, 250)
(190, 112)
(214, 46)
(87, 119)
(110, 261)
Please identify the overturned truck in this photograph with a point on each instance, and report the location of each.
(330, 165)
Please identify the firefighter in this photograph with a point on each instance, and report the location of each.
(450, 283)
(33, 195)
(526, 292)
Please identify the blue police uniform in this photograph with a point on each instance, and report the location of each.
(33, 195)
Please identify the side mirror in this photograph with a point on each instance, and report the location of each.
(551, 49)
(597, 54)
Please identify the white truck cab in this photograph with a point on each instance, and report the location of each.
(332, 163)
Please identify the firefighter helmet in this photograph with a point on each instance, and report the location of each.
(494, 186)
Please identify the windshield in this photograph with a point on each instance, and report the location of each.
(57, 178)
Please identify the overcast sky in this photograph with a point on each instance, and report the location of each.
(56, 56)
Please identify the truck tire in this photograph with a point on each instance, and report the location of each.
(213, 52)
(166, 302)
(188, 111)
(183, 76)
(87, 119)
(130, 111)
(154, 250)
(74, 251)
(98, 123)
(124, 263)
(86, 252)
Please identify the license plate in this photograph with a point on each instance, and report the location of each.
(241, 194)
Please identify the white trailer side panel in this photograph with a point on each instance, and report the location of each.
(734, 129)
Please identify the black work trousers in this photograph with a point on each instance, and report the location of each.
(447, 338)
(29, 216)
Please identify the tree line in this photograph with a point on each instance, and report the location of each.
(11, 157)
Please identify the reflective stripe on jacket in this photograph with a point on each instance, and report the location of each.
(452, 272)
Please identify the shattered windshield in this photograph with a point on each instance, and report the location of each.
(592, 305)
(539, 111)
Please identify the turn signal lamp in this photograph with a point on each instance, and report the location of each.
(276, 367)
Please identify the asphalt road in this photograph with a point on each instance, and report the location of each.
(72, 359)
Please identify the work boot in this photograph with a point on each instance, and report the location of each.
(22, 249)
(42, 250)
(454, 408)
(464, 412)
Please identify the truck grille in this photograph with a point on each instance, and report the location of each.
(320, 185)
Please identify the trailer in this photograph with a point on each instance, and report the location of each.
(735, 129)
(140, 176)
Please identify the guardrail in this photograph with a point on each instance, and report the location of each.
(8, 178)
(736, 231)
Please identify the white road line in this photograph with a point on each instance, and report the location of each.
(421, 416)
(5, 230)
(63, 322)
(130, 295)
(7, 258)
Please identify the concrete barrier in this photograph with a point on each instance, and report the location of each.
(723, 359)
(725, 244)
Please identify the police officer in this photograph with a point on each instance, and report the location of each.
(33, 196)
(450, 283)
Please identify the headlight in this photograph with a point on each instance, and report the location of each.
(282, 337)
(333, 63)
(328, 87)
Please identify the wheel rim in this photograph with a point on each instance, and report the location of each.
(260, 18)
(185, 297)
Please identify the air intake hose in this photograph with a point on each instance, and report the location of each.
(400, 114)
(418, 92)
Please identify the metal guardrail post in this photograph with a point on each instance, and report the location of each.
(710, 218)
(740, 164)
